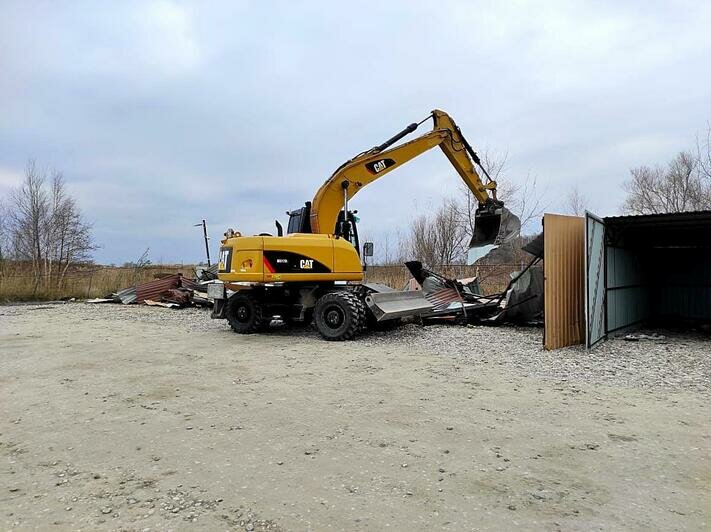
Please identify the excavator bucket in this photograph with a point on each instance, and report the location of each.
(494, 228)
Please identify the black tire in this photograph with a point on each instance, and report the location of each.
(244, 314)
(339, 315)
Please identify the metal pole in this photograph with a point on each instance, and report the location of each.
(207, 246)
(207, 238)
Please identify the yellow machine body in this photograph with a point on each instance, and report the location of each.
(301, 257)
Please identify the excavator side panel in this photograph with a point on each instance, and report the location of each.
(298, 257)
(346, 261)
(241, 260)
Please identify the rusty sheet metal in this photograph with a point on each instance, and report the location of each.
(191, 285)
(152, 290)
(564, 278)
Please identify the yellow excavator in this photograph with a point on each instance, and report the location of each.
(314, 272)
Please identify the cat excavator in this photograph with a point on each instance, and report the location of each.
(314, 272)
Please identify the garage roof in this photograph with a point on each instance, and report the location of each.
(668, 230)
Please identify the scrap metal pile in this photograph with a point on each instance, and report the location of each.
(460, 300)
(169, 291)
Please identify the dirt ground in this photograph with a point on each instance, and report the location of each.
(137, 418)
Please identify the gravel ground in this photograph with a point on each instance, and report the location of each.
(678, 361)
(131, 418)
(681, 361)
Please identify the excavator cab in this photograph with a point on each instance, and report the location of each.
(346, 228)
(299, 222)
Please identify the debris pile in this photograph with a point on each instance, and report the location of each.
(169, 291)
(430, 296)
(461, 299)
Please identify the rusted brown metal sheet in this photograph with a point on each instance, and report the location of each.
(191, 285)
(152, 290)
(564, 274)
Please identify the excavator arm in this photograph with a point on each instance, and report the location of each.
(365, 168)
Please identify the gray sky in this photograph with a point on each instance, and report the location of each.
(162, 113)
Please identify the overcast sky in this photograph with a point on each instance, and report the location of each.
(160, 114)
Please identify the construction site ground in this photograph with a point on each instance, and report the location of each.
(136, 418)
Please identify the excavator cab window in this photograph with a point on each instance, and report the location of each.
(348, 229)
(299, 220)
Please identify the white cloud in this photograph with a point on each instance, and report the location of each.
(161, 113)
(166, 37)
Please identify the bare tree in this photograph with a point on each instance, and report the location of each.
(28, 217)
(703, 154)
(450, 233)
(68, 237)
(576, 203)
(4, 235)
(523, 198)
(390, 247)
(439, 238)
(679, 186)
(47, 228)
(422, 242)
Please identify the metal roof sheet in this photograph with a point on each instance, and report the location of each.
(661, 217)
(127, 295)
(153, 289)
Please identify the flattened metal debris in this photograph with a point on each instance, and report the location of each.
(127, 295)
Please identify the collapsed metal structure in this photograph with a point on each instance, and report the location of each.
(460, 300)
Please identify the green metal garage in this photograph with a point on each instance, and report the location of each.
(652, 270)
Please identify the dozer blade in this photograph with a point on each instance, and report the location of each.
(391, 305)
(493, 228)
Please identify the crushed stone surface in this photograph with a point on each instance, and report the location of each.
(118, 417)
(679, 361)
(674, 362)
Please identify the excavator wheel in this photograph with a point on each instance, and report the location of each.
(339, 315)
(244, 314)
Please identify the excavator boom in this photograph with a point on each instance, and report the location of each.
(365, 168)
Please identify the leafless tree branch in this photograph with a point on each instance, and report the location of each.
(682, 185)
(45, 226)
(576, 202)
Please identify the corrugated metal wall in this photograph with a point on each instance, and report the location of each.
(564, 272)
(628, 288)
(682, 284)
(656, 286)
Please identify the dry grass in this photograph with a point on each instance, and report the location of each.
(87, 281)
(82, 281)
(492, 278)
